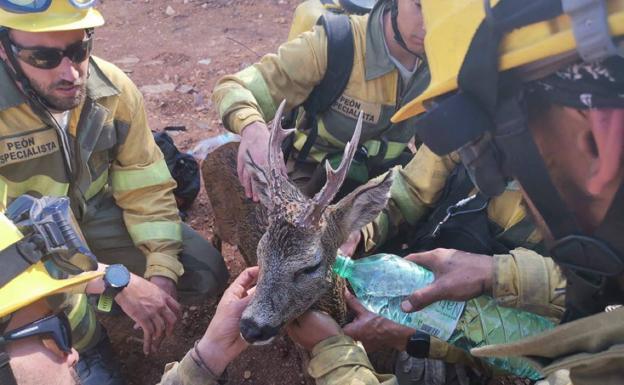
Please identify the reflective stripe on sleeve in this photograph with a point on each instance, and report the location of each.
(155, 230)
(154, 174)
(257, 85)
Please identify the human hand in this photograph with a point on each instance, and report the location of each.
(373, 331)
(255, 141)
(459, 276)
(222, 342)
(311, 328)
(153, 310)
(348, 248)
(166, 284)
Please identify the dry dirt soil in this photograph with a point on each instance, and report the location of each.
(175, 50)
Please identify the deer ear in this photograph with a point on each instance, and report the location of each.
(362, 205)
(260, 180)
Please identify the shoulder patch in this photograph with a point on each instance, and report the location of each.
(28, 146)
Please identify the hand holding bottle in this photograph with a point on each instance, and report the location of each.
(373, 331)
(459, 276)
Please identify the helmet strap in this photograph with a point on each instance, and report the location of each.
(6, 374)
(394, 13)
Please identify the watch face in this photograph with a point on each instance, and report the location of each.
(117, 276)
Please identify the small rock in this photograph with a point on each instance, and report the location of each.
(170, 11)
(247, 374)
(193, 308)
(205, 62)
(128, 60)
(205, 5)
(185, 2)
(203, 125)
(260, 16)
(281, 20)
(154, 63)
(184, 89)
(185, 315)
(198, 99)
(158, 88)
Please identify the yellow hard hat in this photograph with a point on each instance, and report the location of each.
(452, 24)
(61, 15)
(9, 234)
(34, 283)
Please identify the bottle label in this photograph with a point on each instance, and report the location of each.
(439, 319)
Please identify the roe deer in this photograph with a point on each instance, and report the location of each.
(302, 237)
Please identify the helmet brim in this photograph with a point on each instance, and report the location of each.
(36, 283)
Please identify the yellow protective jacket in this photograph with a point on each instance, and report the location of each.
(523, 278)
(336, 361)
(112, 155)
(588, 351)
(253, 94)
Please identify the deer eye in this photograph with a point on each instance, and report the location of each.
(308, 270)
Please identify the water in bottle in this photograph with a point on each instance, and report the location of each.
(381, 282)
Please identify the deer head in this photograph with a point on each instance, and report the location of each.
(297, 251)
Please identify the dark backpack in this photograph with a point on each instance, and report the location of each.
(340, 51)
(183, 168)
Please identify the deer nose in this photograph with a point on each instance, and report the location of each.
(252, 332)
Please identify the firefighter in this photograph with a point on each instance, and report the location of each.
(74, 125)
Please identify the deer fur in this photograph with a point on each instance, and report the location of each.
(298, 236)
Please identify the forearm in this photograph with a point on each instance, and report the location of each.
(527, 280)
(143, 189)
(187, 372)
(339, 360)
(254, 93)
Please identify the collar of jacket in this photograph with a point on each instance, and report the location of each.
(98, 86)
(378, 61)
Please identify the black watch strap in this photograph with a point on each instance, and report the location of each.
(418, 345)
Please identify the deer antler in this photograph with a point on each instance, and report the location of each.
(334, 181)
(278, 134)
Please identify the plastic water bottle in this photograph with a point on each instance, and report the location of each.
(208, 145)
(382, 281)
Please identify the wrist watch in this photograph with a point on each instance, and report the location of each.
(116, 278)
(418, 345)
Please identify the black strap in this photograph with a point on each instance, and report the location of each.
(479, 72)
(340, 56)
(394, 14)
(524, 161)
(6, 374)
(18, 257)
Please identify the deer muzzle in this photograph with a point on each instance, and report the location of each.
(257, 334)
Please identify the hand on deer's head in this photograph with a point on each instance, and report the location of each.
(297, 251)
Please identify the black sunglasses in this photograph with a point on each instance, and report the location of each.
(47, 58)
(54, 331)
